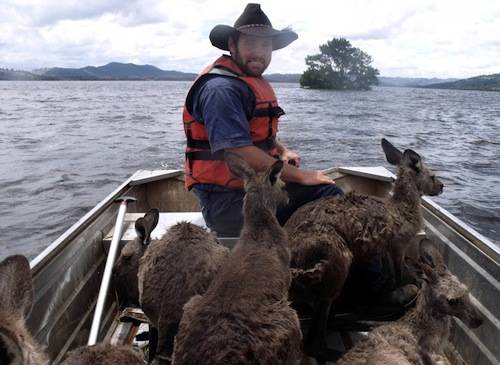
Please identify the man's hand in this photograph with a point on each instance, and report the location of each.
(260, 161)
(314, 177)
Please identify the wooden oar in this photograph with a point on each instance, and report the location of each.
(113, 249)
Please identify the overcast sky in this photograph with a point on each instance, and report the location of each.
(413, 38)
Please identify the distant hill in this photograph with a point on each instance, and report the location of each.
(6, 74)
(409, 81)
(115, 71)
(483, 82)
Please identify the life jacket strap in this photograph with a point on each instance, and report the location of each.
(205, 155)
(266, 144)
(274, 111)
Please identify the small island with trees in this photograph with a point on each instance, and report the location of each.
(339, 66)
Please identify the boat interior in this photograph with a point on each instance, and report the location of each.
(67, 274)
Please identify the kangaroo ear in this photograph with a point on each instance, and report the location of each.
(16, 285)
(238, 166)
(145, 225)
(275, 171)
(412, 159)
(392, 154)
(430, 255)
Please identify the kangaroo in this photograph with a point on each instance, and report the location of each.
(244, 317)
(174, 268)
(17, 346)
(424, 330)
(335, 232)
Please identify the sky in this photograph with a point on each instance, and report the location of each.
(406, 38)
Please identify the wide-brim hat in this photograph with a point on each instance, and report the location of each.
(253, 22)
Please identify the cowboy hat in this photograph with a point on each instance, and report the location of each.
(253, 22)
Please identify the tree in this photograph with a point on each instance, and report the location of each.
(339, 66)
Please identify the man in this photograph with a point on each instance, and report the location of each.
(230, 107)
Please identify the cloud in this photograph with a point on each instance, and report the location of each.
(442, 38)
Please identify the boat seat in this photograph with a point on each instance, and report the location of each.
(165, 221)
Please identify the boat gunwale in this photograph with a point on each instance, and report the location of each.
(482, 243)
(66, 238)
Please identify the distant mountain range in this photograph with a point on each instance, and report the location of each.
(111, 71)
(130, 71)
(117, 71)
(483, 82)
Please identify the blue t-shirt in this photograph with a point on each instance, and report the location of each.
(224, 105)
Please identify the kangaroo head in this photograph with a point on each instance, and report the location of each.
(265, 186)
(143, 228)
(16, 299)
(127, 264)
(425, 180)
(449, 295)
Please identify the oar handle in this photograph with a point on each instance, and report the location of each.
(106, 278)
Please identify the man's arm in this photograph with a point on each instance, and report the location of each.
(260, 161)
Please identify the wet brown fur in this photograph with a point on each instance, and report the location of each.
(244, 317)
(173, 269)
(16, 299)
(17, 346)
(103, 354)
(356, 227)
(424, 330)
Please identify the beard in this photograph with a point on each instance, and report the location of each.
(253, 67)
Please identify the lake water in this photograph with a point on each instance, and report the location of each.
(66, 145)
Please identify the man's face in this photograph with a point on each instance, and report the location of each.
(252, 54)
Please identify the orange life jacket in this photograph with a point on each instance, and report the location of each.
(204, 167)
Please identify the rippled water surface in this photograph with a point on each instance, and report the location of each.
(67, 145)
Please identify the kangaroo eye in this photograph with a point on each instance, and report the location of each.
(453, 301)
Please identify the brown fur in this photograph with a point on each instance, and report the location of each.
(17, 346)
(423, 331)
(103, 354)
(356, 227)
(244, 317)
(173, 269)
(127, 265)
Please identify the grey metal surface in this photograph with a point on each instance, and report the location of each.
(106, 277)
(481, 273)
(66, 279)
